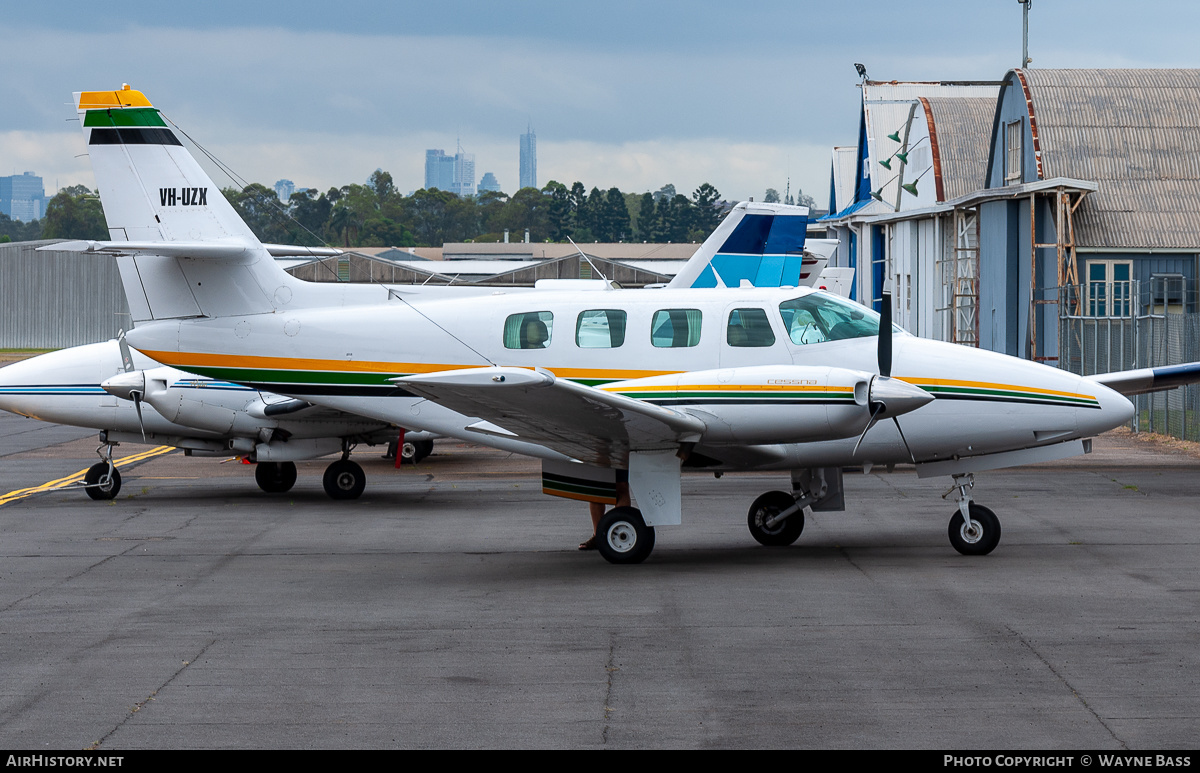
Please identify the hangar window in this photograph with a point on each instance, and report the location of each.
(1109, 288)
(600, 329)
(749, 327)
(674, 328)
(531, 330)
(1013, 157)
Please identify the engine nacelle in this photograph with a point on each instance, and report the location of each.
(770, 403)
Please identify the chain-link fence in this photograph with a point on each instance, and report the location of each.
(1110, 326)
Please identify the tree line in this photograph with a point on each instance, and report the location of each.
(73, 213)
(378, 215)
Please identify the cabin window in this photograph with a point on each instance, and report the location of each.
(749, 327)
(817, 317)
(1013, 157)
(531, 330)
(675, 328)
(600, 329)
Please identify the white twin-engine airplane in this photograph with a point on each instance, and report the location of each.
(650, 381)
(205, 417)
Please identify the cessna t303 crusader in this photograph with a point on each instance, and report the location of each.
(694, 375)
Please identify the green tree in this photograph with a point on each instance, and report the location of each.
(527, 208)
(16, 231)
(74, 213)
(706, 212)
(771, 196)
(647, 223)
(558, 211)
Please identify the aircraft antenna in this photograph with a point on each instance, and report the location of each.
(272, 202)
(583, 255)
(433, 322)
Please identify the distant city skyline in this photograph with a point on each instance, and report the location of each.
(489, 183)
(23, 197)
(455, 174)
(741, 97)
(284, 190)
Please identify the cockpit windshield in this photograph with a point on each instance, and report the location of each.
(818, 317)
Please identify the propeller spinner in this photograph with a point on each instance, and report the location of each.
(887, 397)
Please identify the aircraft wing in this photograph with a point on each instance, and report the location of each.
(582, 422)
(1143, 380)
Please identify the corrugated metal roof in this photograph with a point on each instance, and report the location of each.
(963, 127)
(886, 108)
(1137, 134)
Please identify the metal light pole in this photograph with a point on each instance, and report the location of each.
(1025, 60)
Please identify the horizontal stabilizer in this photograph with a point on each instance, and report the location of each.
(197, 250)
(296, 251)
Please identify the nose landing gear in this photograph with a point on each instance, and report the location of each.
(102, 480)
(974, 530)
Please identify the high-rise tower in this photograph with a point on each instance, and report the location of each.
(529, 159)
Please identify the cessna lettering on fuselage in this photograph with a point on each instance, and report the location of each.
(732, 366)
(183, 197)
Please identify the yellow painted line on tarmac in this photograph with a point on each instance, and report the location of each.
(61, 483)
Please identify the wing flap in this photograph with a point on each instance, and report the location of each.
(583, 422)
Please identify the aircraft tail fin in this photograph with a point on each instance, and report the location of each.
(756, 242)
(154, 192)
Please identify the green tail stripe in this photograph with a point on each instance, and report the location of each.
(129, 116)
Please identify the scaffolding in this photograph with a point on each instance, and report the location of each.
(1065, 261)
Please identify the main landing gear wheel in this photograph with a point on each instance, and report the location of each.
(344, 479)
(978, 539)
(412, 452)
(767, 507)
(623, 537)
(101, 485)
(275, 477)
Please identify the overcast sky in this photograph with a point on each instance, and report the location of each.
(620, 93)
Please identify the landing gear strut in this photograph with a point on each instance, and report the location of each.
(974, 530)
(344, 479)
(776, 519)
(102, 481)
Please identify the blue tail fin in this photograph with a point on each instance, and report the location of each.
(762, 244)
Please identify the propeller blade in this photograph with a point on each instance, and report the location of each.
(904, 440)
(878, 407)
(885, 335)
(137, 404)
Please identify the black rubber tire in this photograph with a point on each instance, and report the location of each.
(344, 479)
(623, 537)
(95, 489)
(768, 505)
(275, 477)
(975, 545)
(413, 451)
